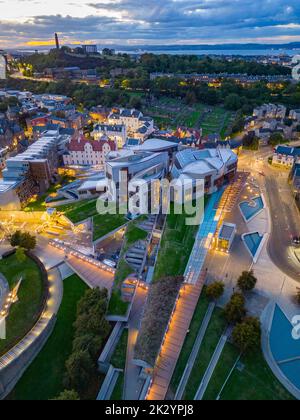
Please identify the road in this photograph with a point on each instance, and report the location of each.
(283, 209)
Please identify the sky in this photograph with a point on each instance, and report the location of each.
(28, 23)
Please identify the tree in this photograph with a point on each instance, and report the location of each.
(298, 295)
(247, 281)
(215, 290)
(28, 241)
(24, 240)
(247, 334)
(68, 396)
(276, 139)
(79, 367)
(235, 309)
(90, 343)
(20, 255)
(15, 238)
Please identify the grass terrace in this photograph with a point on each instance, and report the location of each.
(214, 331)
(119, 361)
(116, 305)
(176, 246)
(106, 223)
(80, 210)
(134, 234)
(43, 380)
(216, 121)
(253, 380)
(24, 313)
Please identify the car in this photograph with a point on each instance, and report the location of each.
(296, 240)
(110, 263)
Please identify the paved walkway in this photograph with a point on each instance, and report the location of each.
(212, 365)
(4, 290)
(92, 275)
(174, 340)
(204, 238)
(267, 325)
(194, 353)
(52, 307)
(133, 383)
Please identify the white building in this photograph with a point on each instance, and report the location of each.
(133, 120)
(286, 156)
(3, 157)
(2, 67)
(295, 115)
(214, 166)
(270, 111)
(116, 133)
(85, 152)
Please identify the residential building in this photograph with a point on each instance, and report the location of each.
(270, 111)
(295, 115)
(286, 156)
(3, 157)
(90, 49)
(85, 152)
(32, 171)
(133, 121)
(116, 133)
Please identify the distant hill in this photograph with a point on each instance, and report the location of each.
(289, 46)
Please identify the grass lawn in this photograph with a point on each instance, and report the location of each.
(106, 223)
(79, 211)
(117, 394)
(189, 341)
(23, 314)
(255, 382)
(176, 246)
(226, 363)
(213, 334)
(118, 359)
(39, 204)
(116, 305)
(134, 234)
(43, 380)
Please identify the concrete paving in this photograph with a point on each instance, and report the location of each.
(4, 290)
(174, 339)
(93, 276)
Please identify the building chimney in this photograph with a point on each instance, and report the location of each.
(56, 41)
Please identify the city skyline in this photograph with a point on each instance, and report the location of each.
(30, 23)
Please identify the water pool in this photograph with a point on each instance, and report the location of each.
(285, 350)
(251, 209)
(252, 241)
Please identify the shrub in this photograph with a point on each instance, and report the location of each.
(160, 303)
(247, 334)
(215, 290)
(235, 309)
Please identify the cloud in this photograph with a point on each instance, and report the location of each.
(170, 21)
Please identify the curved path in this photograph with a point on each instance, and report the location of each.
(47, 317)
(4, 290)
(267, 321)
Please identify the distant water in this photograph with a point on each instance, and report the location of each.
(258, 52)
